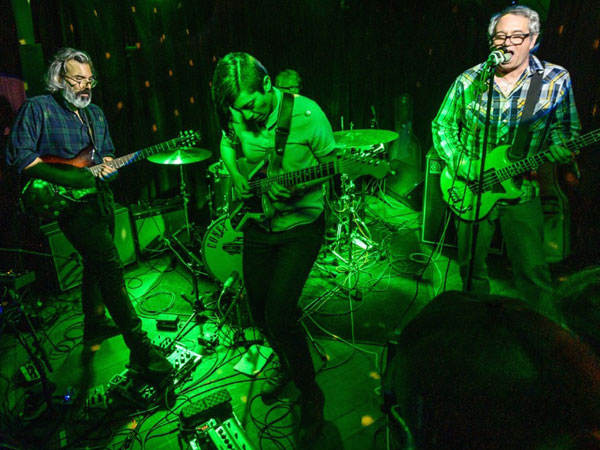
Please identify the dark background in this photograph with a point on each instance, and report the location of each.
(155, 59)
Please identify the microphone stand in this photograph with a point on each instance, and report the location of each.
(489, 76)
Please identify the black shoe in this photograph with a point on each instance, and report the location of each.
(148, 362)
(274, 385)
(312, 418)
(96, 331)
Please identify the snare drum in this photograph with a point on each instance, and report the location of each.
(222, 249)
(219, 183)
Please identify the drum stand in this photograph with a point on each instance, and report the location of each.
(346, 233)
(190, 261)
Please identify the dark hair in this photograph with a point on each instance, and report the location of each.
(234, 73)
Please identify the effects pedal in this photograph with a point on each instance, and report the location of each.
(221, 435)
(213, 405)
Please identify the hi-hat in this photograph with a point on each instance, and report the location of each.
(363, 138)
(182, 155)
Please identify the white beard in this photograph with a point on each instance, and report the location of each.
(70, 96)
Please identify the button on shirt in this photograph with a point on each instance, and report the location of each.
(311, 138)
(459, 125)
(46, 126)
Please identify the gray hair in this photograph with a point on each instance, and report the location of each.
(57, 66)
(518, 10)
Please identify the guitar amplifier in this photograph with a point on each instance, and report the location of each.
(66, 270)
(154, 222)
(436, 211)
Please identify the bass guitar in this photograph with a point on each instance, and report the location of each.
(260, 178)
(498, 179)
(46, 200)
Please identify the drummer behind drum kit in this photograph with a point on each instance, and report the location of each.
(221, 247)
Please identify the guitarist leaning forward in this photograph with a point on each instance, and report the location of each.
(458, 134)
(61, 124)
(277, 253)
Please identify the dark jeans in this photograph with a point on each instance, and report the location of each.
(522, 228)
(276, 266)
(90, 231)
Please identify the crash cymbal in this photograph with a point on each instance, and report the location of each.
(363, 138)
(182, 155)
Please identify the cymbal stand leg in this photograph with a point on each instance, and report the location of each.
(186, 199)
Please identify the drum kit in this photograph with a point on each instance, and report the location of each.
(221, 246)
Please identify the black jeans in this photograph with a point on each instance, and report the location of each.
(276, 266)
(90, 230)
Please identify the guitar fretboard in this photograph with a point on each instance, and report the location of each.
(535, 161)
(298, 177)
(139, 155)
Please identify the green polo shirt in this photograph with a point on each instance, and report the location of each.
(311, 138)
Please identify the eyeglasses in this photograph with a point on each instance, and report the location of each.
(81, 82)
(515, 39)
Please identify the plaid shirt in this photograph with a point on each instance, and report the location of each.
(45, 126)
(459, 125)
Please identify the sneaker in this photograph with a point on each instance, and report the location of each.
(312, 418)
(94, 332)
(274, 385)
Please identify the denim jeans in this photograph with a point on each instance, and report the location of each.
(523, 231)
(90, 231)
(276, 267)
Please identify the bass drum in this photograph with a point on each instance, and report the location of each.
(222, 249)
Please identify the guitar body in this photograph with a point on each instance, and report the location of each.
(258, 207)
(83, 159)
(461, 195)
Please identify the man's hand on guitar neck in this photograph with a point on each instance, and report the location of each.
(106, 172)
(559, 154)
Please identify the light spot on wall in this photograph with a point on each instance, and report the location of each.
(154, 128)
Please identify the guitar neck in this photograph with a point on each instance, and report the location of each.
(305, 175)
(535, 161)
(140, 155)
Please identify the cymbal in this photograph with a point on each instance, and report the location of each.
(182, 155)
(363, 138)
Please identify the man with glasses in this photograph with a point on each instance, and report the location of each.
(288, 80)
(458, 132)
(61, 124)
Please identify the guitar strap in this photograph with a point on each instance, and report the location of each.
(519, 148)
(284, 122)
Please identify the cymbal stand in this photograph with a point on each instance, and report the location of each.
(348, 202)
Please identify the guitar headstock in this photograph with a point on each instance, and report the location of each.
(188, 138)
(356, 162)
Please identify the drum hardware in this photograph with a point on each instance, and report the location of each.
(181, 157)
(363, 138)
(219, 194)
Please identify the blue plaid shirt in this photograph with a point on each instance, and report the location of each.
(459, 124)
(46, 126)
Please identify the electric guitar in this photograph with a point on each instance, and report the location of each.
(46, 200)
(498, 183)
(260, 178)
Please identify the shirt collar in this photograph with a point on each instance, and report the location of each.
(534, 65)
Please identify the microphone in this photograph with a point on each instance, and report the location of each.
(230, 282)
(498, 57)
